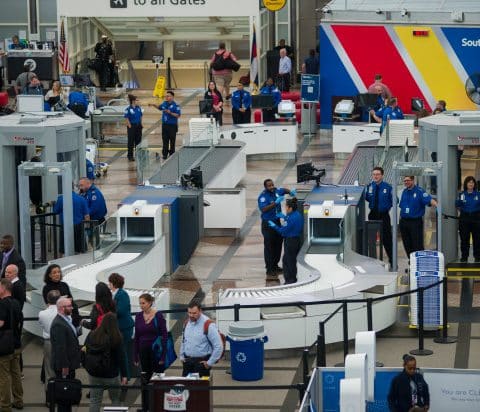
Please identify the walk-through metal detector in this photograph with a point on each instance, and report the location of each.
(415, 169)
(28, 169)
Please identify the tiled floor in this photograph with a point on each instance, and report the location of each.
(207, 271)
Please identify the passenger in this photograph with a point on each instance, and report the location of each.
(412, 208)
(170, 115)
(440, 107)
(11, 318)
(408, 389)
(17, 44)
(24, 78)
(311, 65)
(386, 93)
(96, 206)
(291, 232)
(53, 281)
(34, 88)
(200, 349)
(18, 290)
(80, 213)
(133, 115)
(105, 361)
(45, 318)
(468, 204)
(149, 324)
(215, 97)
(284, 70)
(9, 255)
(78, 102)
(269, 88)
(379, 198)
(221, 75)
(103, 304)
(56, 95)
(269, 203)
(241, 105)
(124, 314)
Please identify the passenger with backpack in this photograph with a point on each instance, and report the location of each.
(202, 344)
(222, 63)
(105, 362)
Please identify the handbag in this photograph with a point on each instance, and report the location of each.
(157, 348)
(66, 391)
(232, 64)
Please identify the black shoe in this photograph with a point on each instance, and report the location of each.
(14, 406)
(271, 275)
(464, 260)
(131, 159)
(278, 269)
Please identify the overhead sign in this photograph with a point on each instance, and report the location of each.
(310, 91)
(274, 5)
(156, 8)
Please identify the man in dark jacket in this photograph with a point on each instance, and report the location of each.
(408, 389)
(18, 290)
(64, 341)
(10, 256)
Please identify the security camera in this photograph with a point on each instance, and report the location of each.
(404, 13)
(326, 10)
(378, 11)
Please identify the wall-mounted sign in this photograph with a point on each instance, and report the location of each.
(274, 5)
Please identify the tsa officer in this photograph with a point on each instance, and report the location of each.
(291, 232)
(468, 203)
(412, 208)
(133, 115)
(96, 205)
(269, 203)
(171, 113)
(379, 198)
(269, 89)
(241, 105)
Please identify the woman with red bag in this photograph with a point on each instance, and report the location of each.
(103, 304)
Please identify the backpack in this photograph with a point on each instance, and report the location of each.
(219, 62)
(97, 359)
(205, 331)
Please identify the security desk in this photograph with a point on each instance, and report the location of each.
(347, 135)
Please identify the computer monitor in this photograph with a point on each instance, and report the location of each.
(66, 80)
(417, 104)
(367, 99)
(30, 103)
(305, 172)
(262, 101)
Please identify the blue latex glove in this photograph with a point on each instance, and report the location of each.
(293, 192)
(281, 216)
(279, 200)
(271, 224)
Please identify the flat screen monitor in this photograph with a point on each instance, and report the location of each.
(367, 99)
(417, 104)
(66, 80)
(262, 101)
(305, 172)
(29, 103)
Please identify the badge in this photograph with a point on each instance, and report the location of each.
(132, 111)
(414, 195)
(262, 199)
(370, 189)
(94, 197)
(384, 190)
(425, 194)
(407, 210)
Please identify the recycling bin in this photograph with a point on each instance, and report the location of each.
(247, 341)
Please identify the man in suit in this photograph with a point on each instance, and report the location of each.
(9, 255)
(18, 290)
(64, 342)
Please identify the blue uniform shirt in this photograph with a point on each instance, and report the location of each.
(244, 97)
(90, 169)
(133, 114)
(167, 118)
(384, 196)
(293, 225)
(95, 202)
(468, 202)
(413, 202)
(267, 198)
(272, 90)
(77, 97)
(394, 114)
(80, 208)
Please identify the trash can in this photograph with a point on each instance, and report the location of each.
(246, 350)
(309, 118)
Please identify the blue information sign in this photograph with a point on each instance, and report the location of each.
(310, 88)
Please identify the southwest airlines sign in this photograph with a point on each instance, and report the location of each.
(156, 8)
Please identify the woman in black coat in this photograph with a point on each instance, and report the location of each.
(408, 389)
(103, 304)
(215, 97)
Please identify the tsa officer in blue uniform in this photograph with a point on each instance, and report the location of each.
(412, 208)
(269, 203)
(80, 213)
(90, 169)
(379, 198)
(268, 113)
(468, 203)
(241, 105)
(171, 113)
(291, 231)
(96, 205)
(133, 114)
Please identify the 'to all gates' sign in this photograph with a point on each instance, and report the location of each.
(274, 5)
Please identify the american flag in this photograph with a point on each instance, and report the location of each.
(62, 51)
(254, 61)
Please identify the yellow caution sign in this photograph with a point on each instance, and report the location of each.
(159, 90)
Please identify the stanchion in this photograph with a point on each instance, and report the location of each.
(305, 365)
(236, 312)
(144, 392)
(370, 325)
(345, 333)
(321, 350)
(444, 338)
(421, 351)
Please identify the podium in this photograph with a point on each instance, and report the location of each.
(179, 398)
